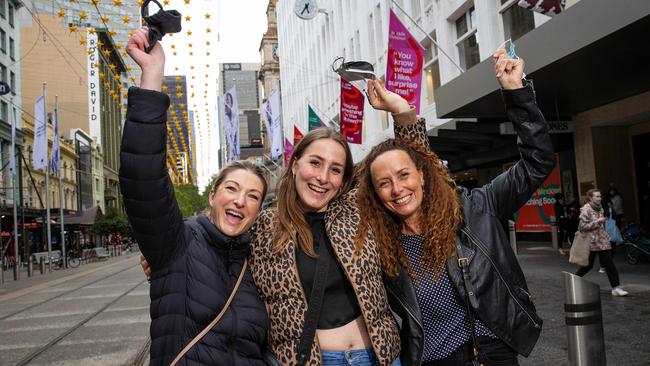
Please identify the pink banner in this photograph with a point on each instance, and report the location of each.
(405, 61)
(288, 149)
(352, 101)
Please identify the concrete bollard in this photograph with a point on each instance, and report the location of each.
(513, 236)
(17, 270)
(584, 322)
(554, 232)
(41, 265)
(30, 267)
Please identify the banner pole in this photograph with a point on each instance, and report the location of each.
(428, 36)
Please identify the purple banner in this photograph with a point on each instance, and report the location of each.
(288, 149)
(404, 64)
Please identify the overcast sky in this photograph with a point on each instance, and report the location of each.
(236, 29)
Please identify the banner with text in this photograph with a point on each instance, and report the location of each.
(272, 121)
(230, 120)
(352, 101)
(39, 158)
(314, 121)
(535, 215)
(94, 102)
(405, 61)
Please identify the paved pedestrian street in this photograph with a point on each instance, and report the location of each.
(97, 314)
(626, 319)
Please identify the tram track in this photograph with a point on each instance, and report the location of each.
(32, 355)
(4, 317)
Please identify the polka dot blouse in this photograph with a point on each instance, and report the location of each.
(444, 315)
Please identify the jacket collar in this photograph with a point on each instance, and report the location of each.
(232, 248)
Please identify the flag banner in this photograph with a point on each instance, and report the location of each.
(56, 150)
(39, 158)
(288, 149)
(274, 115)
(314, 121)
(546, 7)
(12, 148)
(404, 63)
(352, 101)
(230, 120)
(297, 135)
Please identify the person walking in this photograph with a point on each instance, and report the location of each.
(561, 220)
(592, 220)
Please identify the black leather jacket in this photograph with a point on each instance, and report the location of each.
(499, 295)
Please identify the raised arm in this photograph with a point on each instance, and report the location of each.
(146, 187)
(407, 126)
(510, 190)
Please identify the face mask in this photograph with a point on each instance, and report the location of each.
(597, 200)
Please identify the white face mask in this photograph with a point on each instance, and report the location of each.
(597, 200)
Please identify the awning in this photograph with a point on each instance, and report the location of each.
(593, 53)
(87, 217)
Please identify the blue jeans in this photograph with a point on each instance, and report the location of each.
(355, 357)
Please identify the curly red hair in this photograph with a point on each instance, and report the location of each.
(440, 217)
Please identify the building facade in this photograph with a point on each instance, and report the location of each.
(586, 110)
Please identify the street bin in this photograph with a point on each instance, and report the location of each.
(584, 321)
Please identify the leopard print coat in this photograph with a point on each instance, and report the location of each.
(276, 277)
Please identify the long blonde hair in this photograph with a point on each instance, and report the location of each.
(292, 224)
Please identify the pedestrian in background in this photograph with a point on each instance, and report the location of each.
(592, 222)
(617, 206)
(561, 220)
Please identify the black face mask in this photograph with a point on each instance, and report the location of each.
(161, 23)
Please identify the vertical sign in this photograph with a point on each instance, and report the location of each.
(352, 101)
(288, 149)
(404, 64)
(94, 106)
(314, 121)
(535, 215)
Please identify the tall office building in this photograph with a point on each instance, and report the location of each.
(180, 140)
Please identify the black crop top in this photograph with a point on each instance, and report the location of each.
(340, 305)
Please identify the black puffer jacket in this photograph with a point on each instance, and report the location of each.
(194, 266)
(499, 294)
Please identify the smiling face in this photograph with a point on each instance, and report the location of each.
(318, 173)
(235, 202)
(399, 184)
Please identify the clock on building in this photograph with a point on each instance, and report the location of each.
(306, 9)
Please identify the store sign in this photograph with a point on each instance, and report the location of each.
(535, 214)
(506, 128)
(94, 107)
(4, 88)
(232, 67)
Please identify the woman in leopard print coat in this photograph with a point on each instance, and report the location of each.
(318, 179)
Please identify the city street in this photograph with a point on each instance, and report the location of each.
(95, 314)
(626, 319)
(98, 313)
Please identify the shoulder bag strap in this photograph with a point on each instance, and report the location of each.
(216, 319)
(463, 263)
(315, 303)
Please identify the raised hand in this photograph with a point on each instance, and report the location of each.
(152, 63)
(382, 99)
(509, 72)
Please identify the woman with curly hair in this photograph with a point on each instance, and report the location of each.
(450, 273)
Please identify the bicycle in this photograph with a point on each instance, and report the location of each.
(73, 261)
